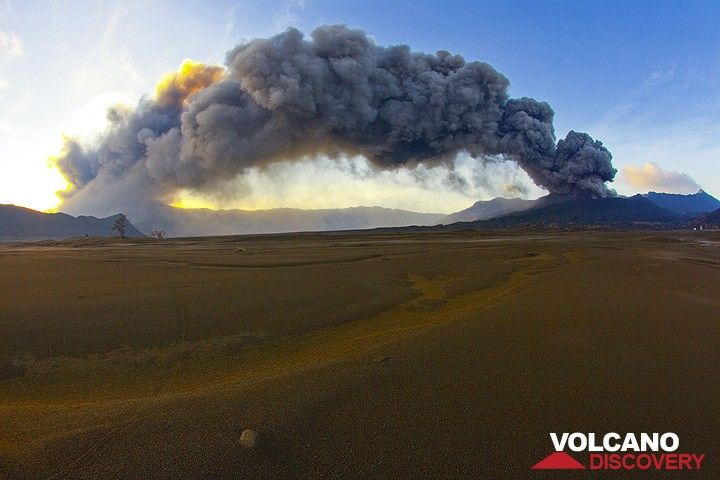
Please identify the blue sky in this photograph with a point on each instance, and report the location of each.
(643, 77)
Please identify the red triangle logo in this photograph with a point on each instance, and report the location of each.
(558, 461)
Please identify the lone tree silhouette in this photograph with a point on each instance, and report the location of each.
(121, 225)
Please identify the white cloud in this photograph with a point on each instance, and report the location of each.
(6, 10)
(690, 146)
(123, 67)
(660, 75)
(289, 14)
(11, 45)
(651, 177)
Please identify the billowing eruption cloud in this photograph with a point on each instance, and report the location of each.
(337, 93)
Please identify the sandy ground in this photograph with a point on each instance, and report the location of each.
(353, 355)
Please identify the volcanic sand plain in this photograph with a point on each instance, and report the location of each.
(353, 354)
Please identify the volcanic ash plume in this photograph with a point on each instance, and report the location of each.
(338, 93)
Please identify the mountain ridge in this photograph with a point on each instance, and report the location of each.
(709, 221)
(200, 222)
(690, 204)
(557, 211)
(24, 224)
(487, 209)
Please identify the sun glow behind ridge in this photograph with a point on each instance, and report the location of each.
(29, 179)
(34, 185)
(187, 200)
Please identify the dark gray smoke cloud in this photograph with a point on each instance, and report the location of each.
(287, 97)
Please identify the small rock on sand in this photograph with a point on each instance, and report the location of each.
(248, 438)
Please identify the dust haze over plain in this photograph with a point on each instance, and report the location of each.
(336, 94)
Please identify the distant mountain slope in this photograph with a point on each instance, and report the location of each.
(700, 202)
(559, 211)
(18, 223)
(198, 222)
(708, 221)
(487, 209)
